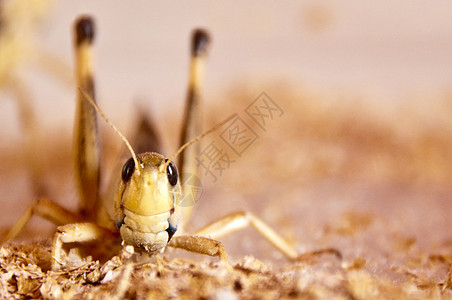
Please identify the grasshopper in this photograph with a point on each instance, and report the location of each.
(141, 208)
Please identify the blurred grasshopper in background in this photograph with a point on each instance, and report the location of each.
(20, 21)
(143, 208)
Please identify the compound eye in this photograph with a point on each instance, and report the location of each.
(128, 169)
(171, 171)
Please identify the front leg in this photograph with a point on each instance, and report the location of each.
(76, 233)
(200, 245)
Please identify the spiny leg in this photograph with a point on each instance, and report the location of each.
(239, 220)
(192, 122)
(86, 143)
(46, 209)
(42, 207)
(200, 245)
(87, 150)
(188, 167)
(86, 139)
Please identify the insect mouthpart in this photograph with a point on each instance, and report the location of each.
(171, 230)
(150, 233)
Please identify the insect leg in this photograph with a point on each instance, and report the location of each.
(76, 233)
(46, 209)
(192, 122)
(86, 140)
(200, 245)
(239, 220)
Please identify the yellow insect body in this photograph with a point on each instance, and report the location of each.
(145, 203)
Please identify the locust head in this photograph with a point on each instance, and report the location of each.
(145, 201)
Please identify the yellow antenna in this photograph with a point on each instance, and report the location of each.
(182, 148)
(102, 114)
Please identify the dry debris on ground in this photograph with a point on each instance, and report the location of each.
(25, 273)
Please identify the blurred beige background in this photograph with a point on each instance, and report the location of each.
(385, 50)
